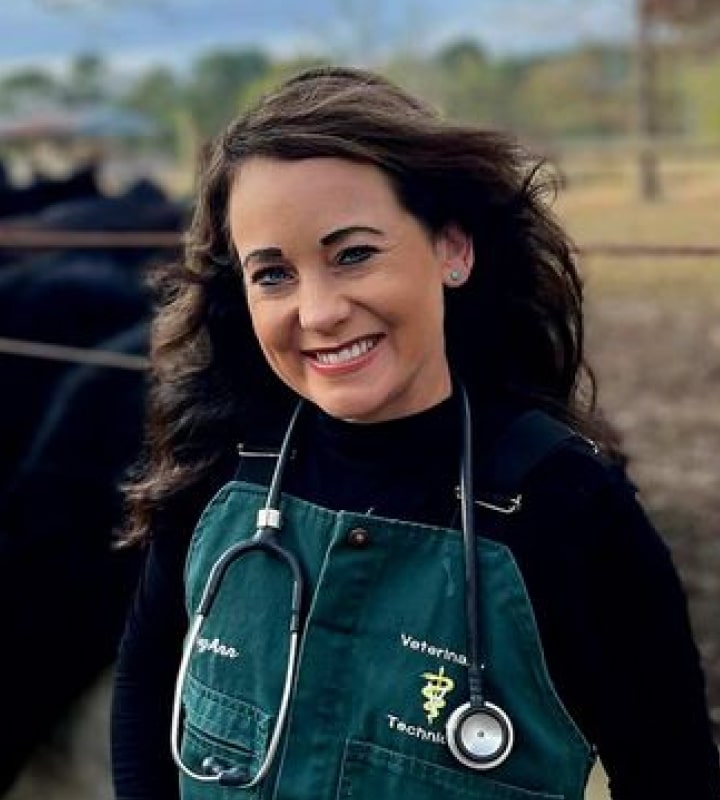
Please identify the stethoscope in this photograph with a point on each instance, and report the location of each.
(479, 733)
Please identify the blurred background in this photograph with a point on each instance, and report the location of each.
(103, 106)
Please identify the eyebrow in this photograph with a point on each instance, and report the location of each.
(268, 254)
(341, 233)
(262, 254)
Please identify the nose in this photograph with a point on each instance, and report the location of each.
(322, 304)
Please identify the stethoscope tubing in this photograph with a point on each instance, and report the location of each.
(263, 541)
(472, 579)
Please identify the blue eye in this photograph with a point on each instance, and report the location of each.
(270, 276)
(355, 255)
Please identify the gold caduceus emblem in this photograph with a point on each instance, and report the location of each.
(438, 686)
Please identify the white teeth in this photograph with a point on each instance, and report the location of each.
(346, 353)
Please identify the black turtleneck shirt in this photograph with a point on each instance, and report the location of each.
(609, 607)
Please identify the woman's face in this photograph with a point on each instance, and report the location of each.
(344, 287)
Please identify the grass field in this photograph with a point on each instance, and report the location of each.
(654, 339)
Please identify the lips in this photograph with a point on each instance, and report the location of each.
(348, 354)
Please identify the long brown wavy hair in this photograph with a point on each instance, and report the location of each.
(514, 330)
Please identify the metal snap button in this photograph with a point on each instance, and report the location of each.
(358, 537)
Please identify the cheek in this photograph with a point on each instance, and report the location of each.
(421, 305)
(272, 328)
(261, 325)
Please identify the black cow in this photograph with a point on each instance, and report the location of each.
(73, 298)
(68, 434)
(44, 192)
(64, 587)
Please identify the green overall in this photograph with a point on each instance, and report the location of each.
(382, 662)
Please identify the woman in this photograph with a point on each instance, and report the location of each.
(402, 276)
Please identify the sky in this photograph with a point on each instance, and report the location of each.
(136, 33)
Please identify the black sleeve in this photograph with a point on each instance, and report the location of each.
(650, 718)
(615, 628)
(145, 675)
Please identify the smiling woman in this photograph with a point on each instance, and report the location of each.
(380, 316)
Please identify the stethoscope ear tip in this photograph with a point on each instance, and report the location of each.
(211, 766)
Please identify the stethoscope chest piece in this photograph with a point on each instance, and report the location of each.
(480, 736)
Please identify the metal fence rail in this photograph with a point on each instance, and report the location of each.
(76, 355)
(26, 239)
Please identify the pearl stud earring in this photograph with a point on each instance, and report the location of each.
(456, 275)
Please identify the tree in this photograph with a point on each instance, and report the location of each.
(219, 79)
(472, 85)
(277, 72)
(158, 94)
(696, 21)
(88, 80)
(647, 100)
(28, 87)
(581, 93)
(682, 12)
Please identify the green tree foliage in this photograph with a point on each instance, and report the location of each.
(158, 94)
(700, 81)
(28, 88)
(472, 85)
(88, 80)
(587, 92)
(583, 93)
(421, 76)
(218, 81)
(276, 73)
(463, 82)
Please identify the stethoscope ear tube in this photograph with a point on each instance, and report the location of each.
(479, 734)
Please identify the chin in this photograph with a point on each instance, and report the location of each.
(351, 413)
(352, 409)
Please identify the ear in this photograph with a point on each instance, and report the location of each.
(456, 254)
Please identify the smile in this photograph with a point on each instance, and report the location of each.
(345, 354)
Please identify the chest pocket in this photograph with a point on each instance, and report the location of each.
(225, 731)
(370, 772)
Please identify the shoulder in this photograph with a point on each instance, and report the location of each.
(576, 477)
(573, 498)
(581, 515)
(527, 452)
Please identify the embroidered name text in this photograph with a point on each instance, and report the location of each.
(216, 646)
